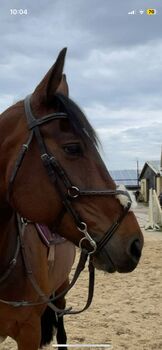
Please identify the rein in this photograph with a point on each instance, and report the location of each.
(21, 224)
(55, 171)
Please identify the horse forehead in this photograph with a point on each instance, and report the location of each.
(58, 133)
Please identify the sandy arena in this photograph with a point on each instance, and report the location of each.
(126, 310)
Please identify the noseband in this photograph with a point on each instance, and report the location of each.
(55, 171)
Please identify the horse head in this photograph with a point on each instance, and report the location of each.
(60, 179)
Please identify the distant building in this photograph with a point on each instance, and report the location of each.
(129, 178)
(151, 177)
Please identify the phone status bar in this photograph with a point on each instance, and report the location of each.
(140, 12)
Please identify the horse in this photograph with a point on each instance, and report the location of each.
(51, 173)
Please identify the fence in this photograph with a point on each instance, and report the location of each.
(155, 212)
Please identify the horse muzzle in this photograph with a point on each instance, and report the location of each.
(111, 260)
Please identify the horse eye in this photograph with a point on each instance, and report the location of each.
(74, 149)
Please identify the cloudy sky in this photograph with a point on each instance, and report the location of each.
(113, 66)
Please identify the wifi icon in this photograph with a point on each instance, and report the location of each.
(141, 12)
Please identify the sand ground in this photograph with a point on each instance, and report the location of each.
(126, 309)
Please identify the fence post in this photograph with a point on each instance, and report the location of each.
(154, 212)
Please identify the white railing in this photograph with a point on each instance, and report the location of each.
(155, 212)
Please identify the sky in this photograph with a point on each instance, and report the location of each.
(113, 67)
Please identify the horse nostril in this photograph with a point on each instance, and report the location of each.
(135, 249)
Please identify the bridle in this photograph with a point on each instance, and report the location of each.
(55, 170)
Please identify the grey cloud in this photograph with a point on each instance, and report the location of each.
(130, 145)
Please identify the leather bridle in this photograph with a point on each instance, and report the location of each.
(55, 171)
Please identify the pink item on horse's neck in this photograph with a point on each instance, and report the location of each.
(61, 256)
(49, 238)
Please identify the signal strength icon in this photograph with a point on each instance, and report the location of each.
(133, 12)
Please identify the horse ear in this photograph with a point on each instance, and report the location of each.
(63, 86)
(52, 80)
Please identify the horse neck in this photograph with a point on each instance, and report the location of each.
(8, 233)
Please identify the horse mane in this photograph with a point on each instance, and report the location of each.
(77, 119)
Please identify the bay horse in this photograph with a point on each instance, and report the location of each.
(51, 173)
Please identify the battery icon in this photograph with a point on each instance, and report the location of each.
(151, 12)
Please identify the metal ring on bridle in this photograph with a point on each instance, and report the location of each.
(87, 237)
(73, 192)
(93, 244)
